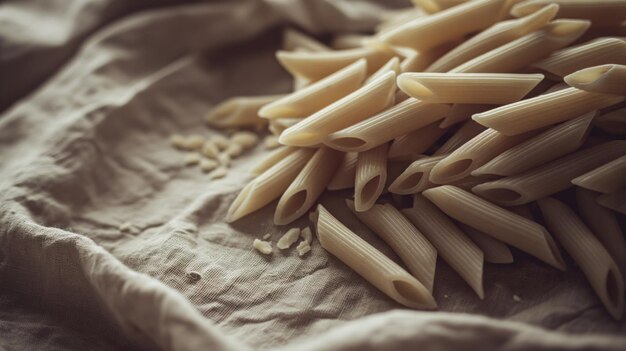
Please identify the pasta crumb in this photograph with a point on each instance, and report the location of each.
(302, 248)
(177, 141)
(267, 236)
(306, 235)
(210, 150)
(219, 172)
(208, 165)
(194, 142)
(234, 150)
(262, 246)
(192, 158)
(220, 141)
(271, 142)
(224, 159)
(288, 238)
(517, 298)
(128, 227)
(245, 139)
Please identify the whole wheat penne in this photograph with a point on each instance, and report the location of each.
(599, 12)
(371, 177)
(593, 53)
(528, 49)
(315, 96)
(615, 201)
(317, 65)
(416, 142)
(370, 263)
(547, 146)
(306, 188)
(278, 125)
(493, 220)
(406, 116)
(349, 110)
(345, 41)
(607, 79)
(293, 39)
(345, 174)
(473, 154)
(451, 243)
(468, 131)
(462, 112)
(432, 6)
(415, 177)
(603, 223)
(549, 178)
(613, 122)
(430, 31)
(414, 249)
(240, 111)
(544, 110)
(468, 88)
(608, 178)
(493, 37)
(269, 185)
(494, 250)
(592, 258)
(272, 158)
(393, 65)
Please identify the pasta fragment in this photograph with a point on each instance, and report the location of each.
(371, 176)
(415, 178)
(416, 142)
(240, 111)
(288, 239)
(599, 12)
(608, 178)
(370, 263)
(494, 250)
(607, 79)
(345, 174)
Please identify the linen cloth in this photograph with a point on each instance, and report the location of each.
(84, 148)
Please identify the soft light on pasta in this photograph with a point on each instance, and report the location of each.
(416, 142)
(463, 112)
(615, 201)
(272, 158)
(467, 132)
(371, 176)
(415, 177)
(432, 6)
(345, 173)
(599, 12)
(294, 39)
(240, 111)
(613, 122)
(608, 79)
(494, 250)
(608, 178)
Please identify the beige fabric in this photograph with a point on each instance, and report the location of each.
(89, 150)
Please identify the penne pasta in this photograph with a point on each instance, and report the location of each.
(599, 12)
(294, 39)
(549, 178)
(494, 250)
(615, 201)
(416, 142)
(239, 111)
(468, 88)
(613, 122)
(406, 116)
(607, 179)
(468, 131)
(392, 65)
(272, 158)
(592, 258)
(394, 18)
(306, 188)
(493, 220)
(371, 176)
(315, 96)
(526, 50)
(462, 112)
(349, 41)
(451, 243)
(278, 125)
(349, 110)
(414, 179)
(473, 154)
(596, 52)
(544, 110)
(557, 141)
(317, 65)
(428, 32)
(603, 223)
(268, 186)
(345, 173)
(432, 6)
(497, 35)
(408, 242)
(371, 264)
(607, 79)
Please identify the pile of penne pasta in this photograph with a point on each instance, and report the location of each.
(485, 113)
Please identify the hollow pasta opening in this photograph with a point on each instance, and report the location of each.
(294, 204)
(369, 190)
(408, 291)
(411, 181)
(457, 168)
(501, 194)
(348, 142)
(587, 76)
(416, 89)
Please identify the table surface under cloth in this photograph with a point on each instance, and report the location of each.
(91, 93)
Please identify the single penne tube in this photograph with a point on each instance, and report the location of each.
(468, 131)
(272, 158)
(317, 65)
(345, 41)
(240, 111)
(526, 50)
(428, 32)
(408, 242)
(549, 178)
(306, 188)
(544, 110)
(494, 250)
(371, 177)
(451, 243)
(406, 116)
(603, 223)
(416, 142)
(496, 221)
(607, 79)
(468, 183)
(593, 53)
(294, 39)
(394, 18)
(473, 154)
(417, 61)
(495, 36)
(317, 95)
(414, 179)
(462, 112)
(432, 6)
(613, 122)
(347, 111)
(600, 12)
(592, 258)
(393, 65)
(278, 125)
(615, 201)
(607, 179)
(468, 88)
(268, 186)
(371, 264)
(345, 174)
(555, 142)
